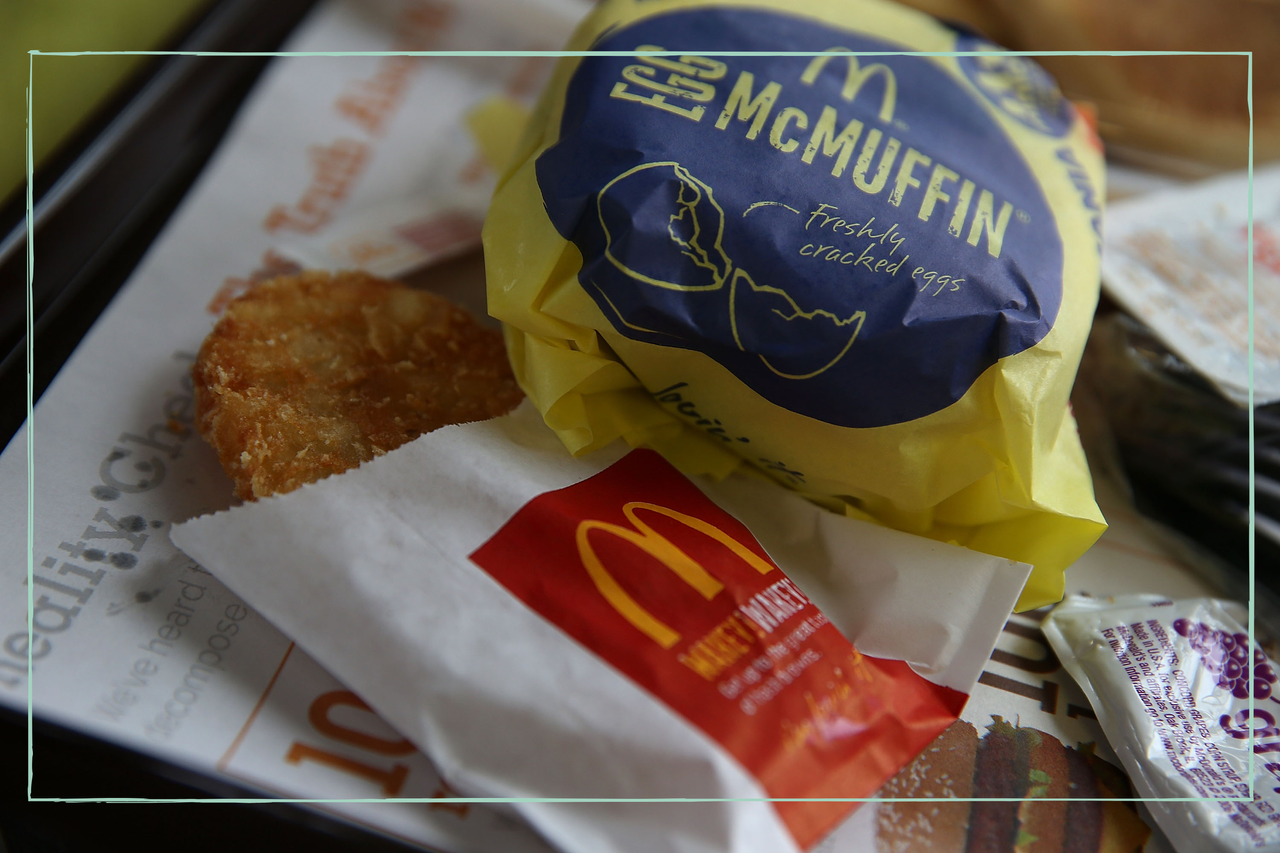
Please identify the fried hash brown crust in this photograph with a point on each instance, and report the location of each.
(312, 374)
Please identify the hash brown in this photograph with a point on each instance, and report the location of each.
(312, 374)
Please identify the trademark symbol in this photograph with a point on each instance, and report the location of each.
(1022, 215)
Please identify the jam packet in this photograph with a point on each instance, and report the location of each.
(1186, 700)
(869, 276)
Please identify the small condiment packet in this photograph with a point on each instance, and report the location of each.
(1171, 683)
(1178, 261)
(550, 627)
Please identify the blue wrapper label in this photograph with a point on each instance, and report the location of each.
(855, 238)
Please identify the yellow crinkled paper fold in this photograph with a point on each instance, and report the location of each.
(869, 277)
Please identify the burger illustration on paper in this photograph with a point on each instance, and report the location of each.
(663, 229)
(1055, 797)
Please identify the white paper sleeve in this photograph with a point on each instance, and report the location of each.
(369, 572)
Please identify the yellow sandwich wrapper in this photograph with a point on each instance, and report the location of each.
(869, 276)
